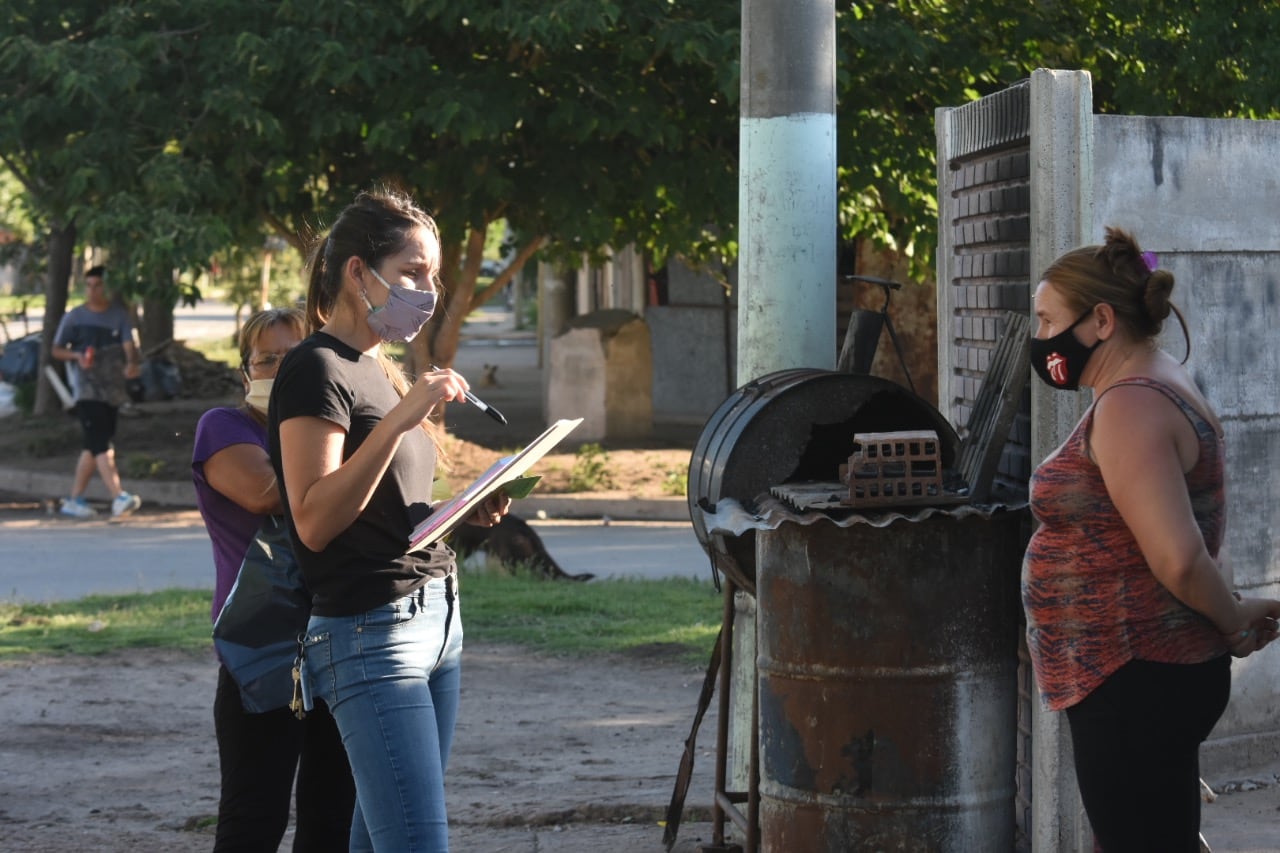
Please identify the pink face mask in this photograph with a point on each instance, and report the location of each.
(403, 315)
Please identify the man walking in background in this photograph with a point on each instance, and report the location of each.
(96, 341)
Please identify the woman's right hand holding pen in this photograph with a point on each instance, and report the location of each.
(429, 391)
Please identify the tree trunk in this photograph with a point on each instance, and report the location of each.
(156, 326)
(62, 242)
(441, 341)
(438, 343)
(460, 265)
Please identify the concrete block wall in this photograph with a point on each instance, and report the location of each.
(694, 344)
(602, 371)
(693, 360)
(1201, 194)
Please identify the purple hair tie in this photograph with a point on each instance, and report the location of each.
(1151, 261)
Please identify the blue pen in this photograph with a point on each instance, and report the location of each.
(482, 405)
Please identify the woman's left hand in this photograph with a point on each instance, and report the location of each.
(1260, 631)
(491, 511)
(1266, 630)
(1243, 643)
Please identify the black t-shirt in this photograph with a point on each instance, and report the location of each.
(366, 565)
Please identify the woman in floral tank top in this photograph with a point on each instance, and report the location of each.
(1131, 621)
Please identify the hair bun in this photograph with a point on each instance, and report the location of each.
(1155, 294)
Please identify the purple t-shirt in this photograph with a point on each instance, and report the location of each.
(231, 527)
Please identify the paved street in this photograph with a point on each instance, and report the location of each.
(52, 559)
(46, 558)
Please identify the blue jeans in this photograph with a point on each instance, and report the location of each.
(391, 677)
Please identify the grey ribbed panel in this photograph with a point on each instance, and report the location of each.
(1022, 801)
(1003, 118)
(990, 241)
(987, 177)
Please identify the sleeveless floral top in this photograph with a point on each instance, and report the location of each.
(1092, 603)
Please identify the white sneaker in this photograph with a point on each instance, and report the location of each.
(124, 504)
(77, 508)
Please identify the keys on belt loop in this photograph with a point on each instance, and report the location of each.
(295, 702)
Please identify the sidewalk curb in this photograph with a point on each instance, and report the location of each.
(618, 509)
(45, 485)
(179, 494)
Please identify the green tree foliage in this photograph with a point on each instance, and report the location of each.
(93, 97)
(897, 62)
(172, 131)
(1212, 58)
(901, 60)
(49, 103)
(582, 124)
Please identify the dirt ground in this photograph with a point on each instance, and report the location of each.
(551, 756)
(117, 754)
(154, 439)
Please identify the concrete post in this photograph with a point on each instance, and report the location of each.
(555, 310)
(787, 187)
(1061, 219)
(945, 261)
(786, 226)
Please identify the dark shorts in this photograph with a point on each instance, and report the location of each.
(98, 423)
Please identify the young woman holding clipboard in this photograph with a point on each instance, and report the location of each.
(355, 454)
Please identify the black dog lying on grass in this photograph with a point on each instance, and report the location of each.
(513, 543)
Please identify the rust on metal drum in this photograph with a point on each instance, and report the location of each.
(888, 683)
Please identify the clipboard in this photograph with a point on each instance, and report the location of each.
(454, 511)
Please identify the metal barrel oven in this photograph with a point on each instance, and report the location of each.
(888, 682)
(792, 425)
(885, 643)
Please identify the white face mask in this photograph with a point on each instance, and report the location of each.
(259, 394)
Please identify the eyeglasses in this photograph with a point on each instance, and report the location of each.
(267, 361)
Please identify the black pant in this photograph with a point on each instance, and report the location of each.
(259, 754)
(1136, 742)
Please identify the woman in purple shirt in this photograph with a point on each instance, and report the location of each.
(259, 753)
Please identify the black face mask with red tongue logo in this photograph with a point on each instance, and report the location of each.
(1060, 360)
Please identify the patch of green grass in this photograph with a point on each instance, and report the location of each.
(674, 619)
(590, 471)
(675, 481)
(96, 624)
(142, 466)
(218, 349)
(33, 303)
(24, 396)
(679, 616)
